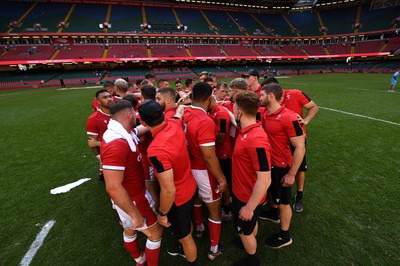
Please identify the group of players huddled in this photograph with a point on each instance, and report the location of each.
(233, 147)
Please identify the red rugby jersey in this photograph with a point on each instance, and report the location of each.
(168, 150)
(280, 127)
(222, 122)
(170, 112)
(97, 123)
(295, 100)
(116, 155)
(252, 153)
(200, 131)
(257, 91)
(144, 143)
(228, 105)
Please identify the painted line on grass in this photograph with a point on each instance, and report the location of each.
(362, 116)
(359, 89)
(12, 93)
(68, 187)
(26, 260)
(79, 88)
(297, 83)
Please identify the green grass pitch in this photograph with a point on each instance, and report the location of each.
(351, 214)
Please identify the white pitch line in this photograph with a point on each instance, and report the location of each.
(359, 89)
(362, 116)
(68, 187)
(12, 93)
(26, 260)
(79, 88)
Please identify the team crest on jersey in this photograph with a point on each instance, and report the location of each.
(139, 158)
(244, 136)
(278, 117)
(288, 96)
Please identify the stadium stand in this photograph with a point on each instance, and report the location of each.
(314, 49)
(347, 19)
(29, 52)
(12, 11)
(276, 23)
(83, 21)
(204, 50)
(393, 45)
(168, 50)
(339, 48)
(44, 18)
(225, 33)
(223, 22)
(194, 20)
(81, 51)
(125, 19)
(250, 26)
(238, 50)
(127, 51)
(160, 15)
(292, 50)
(305, 22)
(34, 78)
(268, 50)
(378, 19)
(368, 46)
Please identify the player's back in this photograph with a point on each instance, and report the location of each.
(200, 131)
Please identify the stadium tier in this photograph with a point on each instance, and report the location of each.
(81, 51)
(241, 50)
(276, 24)
(127, 51)
(83, 21)
(268, 50)
(393, 45)
(168, 51)
(28, 52)
(125, 18)
(339, 22)
(306, 23)
(205, 50)
(314, 49)
(339, 48)
(110, 35)
(194, 20)
(98, 48)
(45, 17)
(378, 19)
(292, 50)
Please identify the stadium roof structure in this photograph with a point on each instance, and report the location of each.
(293, 5)
(288, 5)
(254, 5)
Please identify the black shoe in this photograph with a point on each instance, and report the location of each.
(176, 250)
(238, 243)
(247, 262)
(270, 215)
(277, 241)
(298, 205)
(101, 177)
